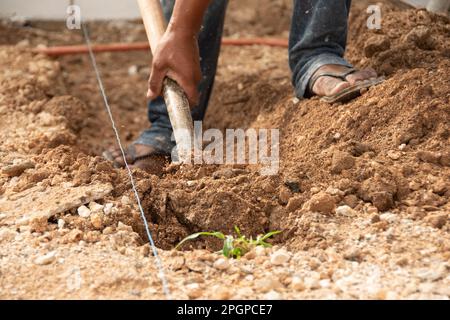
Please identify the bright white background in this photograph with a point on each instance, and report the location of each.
(56, 9)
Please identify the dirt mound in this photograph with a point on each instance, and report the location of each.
(355, 181)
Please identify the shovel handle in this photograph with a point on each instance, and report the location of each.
(174, 96)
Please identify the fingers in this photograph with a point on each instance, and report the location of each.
(155, 82)
(187, 80)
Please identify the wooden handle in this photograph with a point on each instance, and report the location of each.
(174, 96)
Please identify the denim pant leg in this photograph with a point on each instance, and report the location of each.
(210, 36)
(318, 37)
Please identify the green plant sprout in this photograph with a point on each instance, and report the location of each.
(234, 247)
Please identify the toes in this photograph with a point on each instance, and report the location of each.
(338, 88)
(328, 86)
(361, 75)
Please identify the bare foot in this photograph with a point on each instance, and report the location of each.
(329, 86)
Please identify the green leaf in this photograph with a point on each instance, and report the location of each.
(228, 246)
(219, 235)
(238, 232)
(270, 234)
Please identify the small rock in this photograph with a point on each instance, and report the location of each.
(402, 147)
(351, 200)
(382, 200)
(440, 187)
(221, 264)
(268, 283)
(260, 251)
(272, 295)
(74, 236)
(321, 202)
(6, 234)
(108, 208)
(325, 283)
(280, 257)
(250, 255)
(297, 284)
(293, 185)
(312, 283)
(194, 291)
(428, 156)
(123, 227)
(17, 169)
(445, 159)
(125, 200)
(143, 250)
(376, 43)
(422, 37)
(284, 195)
(389, 217)
(221, 293)
(133, 70)
(335, 191)
(84, 212)
(375, 218)
(353, 254)
(341, 161)
(95, 207)
(97, 220)
(108, 230)
(294, 203)
(295, 100)
(437, 220)
(394, 155)
(61, 223)
(345, 211)
(225, 173)
(45, 259)
(314, 190)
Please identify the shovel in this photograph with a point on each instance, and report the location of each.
(174, 96)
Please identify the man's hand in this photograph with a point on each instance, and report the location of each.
(177, 55)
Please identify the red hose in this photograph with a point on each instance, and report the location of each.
(144, 46)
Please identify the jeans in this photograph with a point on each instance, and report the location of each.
(318, 36)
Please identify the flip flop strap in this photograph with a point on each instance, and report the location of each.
(340, 75)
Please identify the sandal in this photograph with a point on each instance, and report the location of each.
(130, 153)
(348, 93)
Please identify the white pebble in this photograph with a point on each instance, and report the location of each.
(45, 259)
(272, 295)
(260, 251)
(344, 211)
(132, 70)
(6, 234)
(61, 223)
(221, 264)
(194, 290)
(280, 257)
(297, 284)
(108, 208)
(95, 207)
(84, 212)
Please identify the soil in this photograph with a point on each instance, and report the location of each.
(362, 196)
